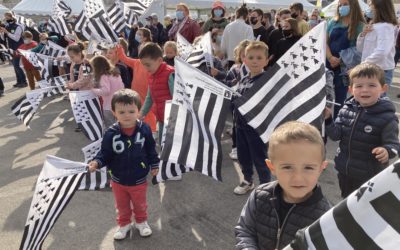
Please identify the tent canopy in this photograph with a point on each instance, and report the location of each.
(330, 10)
(2, 10)
(44, 7)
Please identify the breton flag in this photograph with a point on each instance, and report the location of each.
(87, 112)
(167, 169)
(55, 187)
(293, 89)
(54, 87)
(26, 22)
(117, 16)
(138, 6)
(57, 22)
(26, 107)
(367, 219)
(183, 46)
(46, 64)
(54, 50)
(94, 19)
(131, 17)
(31, 57)
(98, 179)
(201, 52)
(196, 121)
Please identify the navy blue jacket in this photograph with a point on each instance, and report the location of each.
(360, 130)
(129, 158)
(12, 27)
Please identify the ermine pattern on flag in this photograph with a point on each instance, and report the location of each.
(201, 52)
(196, 121)
(54, 50)
(292, 89)
(98, 179)
(87, 112)
(26, 22)
(183, 46)
(64, 9)
(138, 6)
(55, 87)
(116, 15)
(55, 187)
(367, 219)
(25, 107)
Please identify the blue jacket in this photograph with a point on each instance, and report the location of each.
(129, 158)
(360, 130)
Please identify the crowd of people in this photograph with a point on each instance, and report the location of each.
(361, 53)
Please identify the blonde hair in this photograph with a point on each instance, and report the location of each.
(184, 6)
(172, 45)
(257, 45)
(295, 131)
(239, 50)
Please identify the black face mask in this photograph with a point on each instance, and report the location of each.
(286, 33)
(253, 20)
(263, 23)
(294, 15)
(10, 21)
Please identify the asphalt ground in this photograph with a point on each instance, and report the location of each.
(195, 213)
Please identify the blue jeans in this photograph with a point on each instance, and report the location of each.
(251, 151)
(389, 76)
(19, 73)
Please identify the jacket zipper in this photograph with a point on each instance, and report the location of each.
(351, 135)
(280, 229)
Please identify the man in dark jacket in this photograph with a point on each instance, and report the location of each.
(276, 210)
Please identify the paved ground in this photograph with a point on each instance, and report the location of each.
(195, 213)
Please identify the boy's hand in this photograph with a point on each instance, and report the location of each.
(154, 172)
(327, 113)
(214, 72)
(93, 166)
(381, 154)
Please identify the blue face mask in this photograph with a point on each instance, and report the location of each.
(179, 15)
(312, 22)
(138, 38)
(369, 13)
(218, 12)
(344, 10)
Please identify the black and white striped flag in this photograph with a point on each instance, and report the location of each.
(25, 22)
(117, 16)
(55, 187)
(57, 22)
(87, 112)
(54, 87)
(54, 50)
(367, 219)
(25, 108)
(196, 121)
(7, 53)
(201, 52)
(98, 179)
(138, 6)
(183, 46)
(131, 17)
(292, 89)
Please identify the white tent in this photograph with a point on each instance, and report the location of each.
(2, 10)
(44, 7)
(330, 10)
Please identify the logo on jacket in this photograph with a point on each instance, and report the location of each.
(368, 129)
(118, 145)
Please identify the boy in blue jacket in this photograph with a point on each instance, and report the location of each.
(367, 128)
(128, 149)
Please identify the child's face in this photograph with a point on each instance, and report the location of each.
(75, 58)
(366, 90)
(255, 60)
(112, 54)
(169, 52)
(150, 64)
(297, 166)
(126, 114)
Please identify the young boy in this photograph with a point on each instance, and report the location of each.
(251, 149)
(128, 149)
(367, 128)
(30, 71)
(276, 210)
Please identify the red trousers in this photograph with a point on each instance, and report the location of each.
(128, 197)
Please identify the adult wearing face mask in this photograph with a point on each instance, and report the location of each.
(343, 31)
(186, 26)
(297, 13)
(259, 30)
(277, 33)
(217, 19)
(267, 23)
(12, 34)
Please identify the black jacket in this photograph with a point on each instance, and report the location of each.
(259, 226)
(360, 130)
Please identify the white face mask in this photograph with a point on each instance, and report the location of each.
(27, 41)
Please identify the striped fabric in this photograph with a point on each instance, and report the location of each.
(25, 107)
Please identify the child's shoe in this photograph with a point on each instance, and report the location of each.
(233, 154)
(121, 232)
(144, 229)
(244, 187)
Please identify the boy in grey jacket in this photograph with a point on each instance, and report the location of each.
(276, 210)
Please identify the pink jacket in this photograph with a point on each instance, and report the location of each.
(109, 84)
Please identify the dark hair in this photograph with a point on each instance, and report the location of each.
(268, 16)
(146, 34)
(284, 12)
(126, 97)
(297, 6)
(368, 70)
(259, 12)
(151, 50)
(242, 12)
(384, 12)
(101, 66)
(76, 48)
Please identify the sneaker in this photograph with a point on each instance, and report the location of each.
(233, 154)
(144, 229)
(244, 187)
(121, 232)
(78, 129)
(176, 178)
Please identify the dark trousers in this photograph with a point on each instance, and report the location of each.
(251, 151)
(340, 92)
(397, 55)
(348, 184)
(19, 73)
(1, 85)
